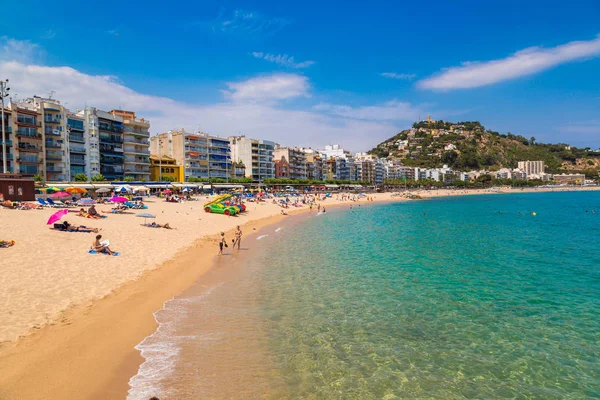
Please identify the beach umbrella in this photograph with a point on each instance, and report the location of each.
(76, 190)
(53, 189)
(118, 199)
(123, 189)
(141, 189)
(57, 216)
(145, 216)
(60, 194)
(104, 190)
(167, 191)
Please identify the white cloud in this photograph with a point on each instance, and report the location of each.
(393, 75)
(260, 119)
(267, 88)
(522, 63)
(391, 111)
(19, 50)
(584, 127)
(282, 59)
(249, 24)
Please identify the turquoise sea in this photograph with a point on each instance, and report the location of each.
(470, 297)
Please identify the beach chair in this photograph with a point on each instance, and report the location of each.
(43, 203)
(52, 203)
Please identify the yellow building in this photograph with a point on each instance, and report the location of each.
(162, 166)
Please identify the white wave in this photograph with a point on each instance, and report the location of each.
(261, 236)
(161, 349)
(277, 230)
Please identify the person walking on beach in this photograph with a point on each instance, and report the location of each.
(238, 237)
(222, 243)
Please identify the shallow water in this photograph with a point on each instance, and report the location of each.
(468, 297)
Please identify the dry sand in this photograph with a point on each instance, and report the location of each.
(77, 346)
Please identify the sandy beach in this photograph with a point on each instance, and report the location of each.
(69, 320)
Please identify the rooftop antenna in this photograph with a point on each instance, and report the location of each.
(52, 92)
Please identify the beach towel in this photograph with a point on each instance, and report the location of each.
(6, 243)
(115, 253)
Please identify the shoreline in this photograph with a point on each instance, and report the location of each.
(89, 352)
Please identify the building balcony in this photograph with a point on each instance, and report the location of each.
(111, 139)
(52, 132)
(25, 133)
(77, 161)
(77, 149)
(54, 157)
(53, 145)
(27, 160)
(32, 124)
(76, 138)
(9, 156)
(52, 120)
(26, 147)
(28, 170)
(137, 152)
(8, 142)
(7, 129)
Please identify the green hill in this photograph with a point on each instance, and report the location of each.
(466, 146)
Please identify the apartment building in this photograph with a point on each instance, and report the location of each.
(6, 143)
(28, 145)
(255, 155)
(203, 156)
(54, 129)
(76, 145)
(92, 141)
(314, 165)
(532, 167)
(136, 145)
(296, 159)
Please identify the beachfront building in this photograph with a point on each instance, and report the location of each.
(314, 165)
(569, 179)
(165, 168)
(91, 136)
(255, 155)
(532, 167)
(296, 159)
(282, 168)
(136, 145)
(55, 143)
(28, 143)
(76, 145)
(9, 149)
(202, 156)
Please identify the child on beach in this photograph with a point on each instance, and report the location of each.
(222, 243)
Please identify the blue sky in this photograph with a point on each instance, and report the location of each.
(310, 73)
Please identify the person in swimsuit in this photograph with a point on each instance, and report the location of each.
(238, 237)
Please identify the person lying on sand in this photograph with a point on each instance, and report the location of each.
(100, 247)
(155, 225)
(66, 226)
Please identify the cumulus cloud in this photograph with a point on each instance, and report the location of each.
(250, 107)
(393, 75)
(268, 88)
(282, 59)
(522, 63)
(390, 111)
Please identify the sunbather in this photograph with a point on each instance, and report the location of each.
(66, 226)
(155, 225)
(101, 247)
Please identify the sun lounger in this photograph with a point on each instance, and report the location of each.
(43, 203)
(52, 203)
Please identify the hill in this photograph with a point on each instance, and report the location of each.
(468, 145)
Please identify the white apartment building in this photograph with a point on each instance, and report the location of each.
(532, 167)
(256, 155)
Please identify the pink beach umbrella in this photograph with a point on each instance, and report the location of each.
(60, 194)
(57, 216)
(119, 199)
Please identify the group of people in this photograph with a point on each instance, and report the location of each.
(237, 240)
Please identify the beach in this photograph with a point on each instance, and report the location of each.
(70, 320)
